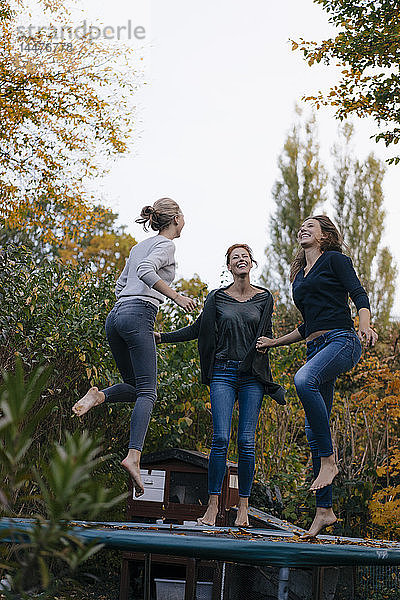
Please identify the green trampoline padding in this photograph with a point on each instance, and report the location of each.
(256, 547)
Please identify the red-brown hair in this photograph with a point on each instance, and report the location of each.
(233, 247)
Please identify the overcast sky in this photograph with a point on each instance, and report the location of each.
(221, 85)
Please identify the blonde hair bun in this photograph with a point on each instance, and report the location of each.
(160, 215)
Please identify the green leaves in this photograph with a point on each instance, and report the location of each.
(18, 400)
(62, 487)
(367, 47)
(181, 416)
(66, 484)
(298, 192)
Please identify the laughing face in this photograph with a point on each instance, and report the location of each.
(240, 262)
(310, 234)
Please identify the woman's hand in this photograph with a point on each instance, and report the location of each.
(367, 335)
(263, 343)
(188, 304)
(157, 337)
(365, 331)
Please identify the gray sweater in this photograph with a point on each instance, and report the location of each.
(148, 262)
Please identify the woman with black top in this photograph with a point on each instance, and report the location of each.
(233, 318)
(322, 279)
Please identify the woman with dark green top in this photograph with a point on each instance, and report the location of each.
(227, 330)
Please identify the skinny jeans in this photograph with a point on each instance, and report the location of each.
(328, 355)
(130, 334)
(227, 384)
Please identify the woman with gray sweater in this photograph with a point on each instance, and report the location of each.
(141, 287)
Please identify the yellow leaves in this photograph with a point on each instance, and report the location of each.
(394, 385)
(392, 466)
(370, 399)
(186, 420)
(385, 507)
(58, 128)
(391, 403)
(381, 471)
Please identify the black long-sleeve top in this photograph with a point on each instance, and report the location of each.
(322, 296)
(204, 329)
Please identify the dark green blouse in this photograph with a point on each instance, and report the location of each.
(237, 324)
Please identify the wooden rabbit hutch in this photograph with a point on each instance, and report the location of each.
(175, 483)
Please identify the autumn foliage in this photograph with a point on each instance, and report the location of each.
(379, 401)
(60, 125)
(366, 49)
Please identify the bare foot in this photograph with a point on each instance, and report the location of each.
(133, 467)
(92, 398)
(323, 518)
(326, 474)
(211, 513)
(242, 518)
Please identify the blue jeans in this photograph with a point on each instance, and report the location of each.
(227, 383)
(130, 333)
(328, 356)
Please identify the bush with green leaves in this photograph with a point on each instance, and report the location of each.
(57, 489)
(182, 415)
(52, 313)
(55, 313)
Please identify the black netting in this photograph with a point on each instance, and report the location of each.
(233, 581)
(379, 582)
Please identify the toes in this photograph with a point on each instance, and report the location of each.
(201, 522)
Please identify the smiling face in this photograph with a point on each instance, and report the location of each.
(240, 262)
(310, 234)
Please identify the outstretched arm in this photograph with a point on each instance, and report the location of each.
(188, 304)
(185, 334)
(290, 338)
(147, 270)
(344, 270)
